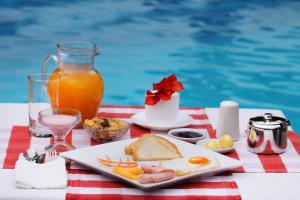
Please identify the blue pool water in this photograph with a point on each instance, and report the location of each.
(247, 51)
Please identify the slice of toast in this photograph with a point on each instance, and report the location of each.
(153, 147)
(129, 148)
(168, 144)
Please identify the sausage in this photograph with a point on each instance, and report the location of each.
(157, 177)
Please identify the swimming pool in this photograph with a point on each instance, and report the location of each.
(247, 51)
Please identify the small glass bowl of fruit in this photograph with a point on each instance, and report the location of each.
(104, 129)
(224, 144)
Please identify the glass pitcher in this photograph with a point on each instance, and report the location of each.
(81, 86)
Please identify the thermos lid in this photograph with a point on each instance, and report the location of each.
(268, 121)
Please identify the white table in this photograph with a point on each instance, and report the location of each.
(252, 185)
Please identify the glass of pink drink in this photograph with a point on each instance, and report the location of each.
(60, 121)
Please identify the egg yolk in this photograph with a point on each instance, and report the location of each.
(199, 160)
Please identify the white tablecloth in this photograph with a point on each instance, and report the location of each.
(252, 185)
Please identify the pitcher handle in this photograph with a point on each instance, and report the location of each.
(46, 62)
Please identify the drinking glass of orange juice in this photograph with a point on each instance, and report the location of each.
(81, 86)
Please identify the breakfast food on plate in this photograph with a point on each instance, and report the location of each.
(201, 160)
(185, 166)
(223, 142)
(144, 174)
(152, 147)
(110, 163)
(151, 169)
(129, 149)
(165, 170)
(157, 177)
(105, 129)
(131, 173)
(135, 170)
(164, 161)
(144, 177)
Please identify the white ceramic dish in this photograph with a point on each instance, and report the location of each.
(87, 157)
(203, 132)
(181, 121)
(201, 143)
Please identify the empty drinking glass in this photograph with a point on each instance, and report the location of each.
(39, 88)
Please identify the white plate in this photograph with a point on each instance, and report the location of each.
(181, 121)
(201, 143)
(87, 157)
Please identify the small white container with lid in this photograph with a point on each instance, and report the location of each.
(228, 122)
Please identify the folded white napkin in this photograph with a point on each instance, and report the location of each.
(50, 175)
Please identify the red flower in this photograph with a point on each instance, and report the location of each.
(151, 98)
(163, 90)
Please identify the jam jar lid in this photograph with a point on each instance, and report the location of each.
(268, 121)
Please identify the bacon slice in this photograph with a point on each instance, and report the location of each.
(158, 177)
(151, 169)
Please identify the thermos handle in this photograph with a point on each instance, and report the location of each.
(46, 62)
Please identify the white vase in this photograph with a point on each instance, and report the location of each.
(165, 111)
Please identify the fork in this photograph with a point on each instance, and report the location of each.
(51, 155)
(46, 157)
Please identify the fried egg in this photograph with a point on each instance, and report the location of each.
(185, 166)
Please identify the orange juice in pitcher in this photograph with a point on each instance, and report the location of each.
(81, 86)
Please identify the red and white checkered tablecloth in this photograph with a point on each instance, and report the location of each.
(86, 184)
(288, 162)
